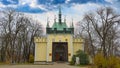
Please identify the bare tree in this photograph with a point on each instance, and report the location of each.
(102, 29)
(17, 33)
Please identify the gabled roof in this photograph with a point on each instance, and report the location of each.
(59, 26)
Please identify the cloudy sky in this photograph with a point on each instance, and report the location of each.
(42, 9)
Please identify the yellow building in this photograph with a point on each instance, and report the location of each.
(59, 43)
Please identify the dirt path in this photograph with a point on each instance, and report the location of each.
(55, 65)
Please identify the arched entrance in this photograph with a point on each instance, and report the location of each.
(60, 51)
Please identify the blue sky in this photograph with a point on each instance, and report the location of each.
(41, 9)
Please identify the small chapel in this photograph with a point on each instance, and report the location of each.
(59, 44)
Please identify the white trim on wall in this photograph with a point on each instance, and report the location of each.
(71, 46)
(35, 53)
(47, 56)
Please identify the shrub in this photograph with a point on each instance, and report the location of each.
(118, 65)
(100, 61)
(113, 62)
(84, 59)
(109, 62)
(72, 62)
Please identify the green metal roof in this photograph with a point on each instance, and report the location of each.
(59, 26)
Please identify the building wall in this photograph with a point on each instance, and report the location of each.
(78, 44)
(40, 49)
(43, 47)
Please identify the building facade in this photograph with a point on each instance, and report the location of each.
(59, 43)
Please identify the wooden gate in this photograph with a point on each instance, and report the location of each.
(59, 51)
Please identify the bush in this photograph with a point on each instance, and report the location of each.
(72, 62)
(113, 62)
(110, 62)
(84, 59)
(31, 58)
(100, 61)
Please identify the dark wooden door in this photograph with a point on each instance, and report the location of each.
(60, 51)
(57, 56)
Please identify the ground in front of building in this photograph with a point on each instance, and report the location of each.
(55, 65)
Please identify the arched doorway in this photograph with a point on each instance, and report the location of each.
(60, 51)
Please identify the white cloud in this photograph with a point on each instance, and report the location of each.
(22, 2)
(32, 4)
(1, 5)
(85, 7)
(42, 17)
(11, 1)
(42, 7)
(4, 6)
(77, 11)
(67, 1)
(115, 4)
